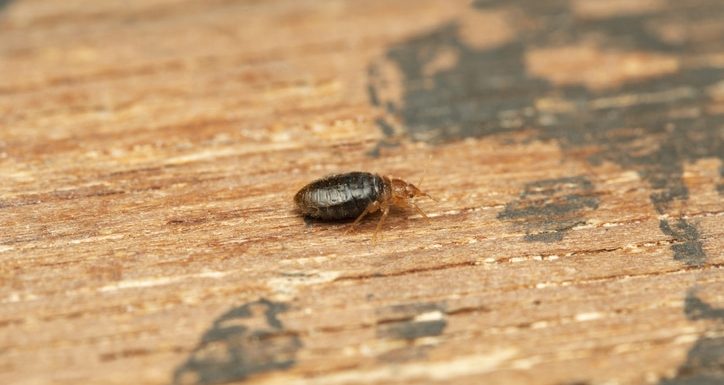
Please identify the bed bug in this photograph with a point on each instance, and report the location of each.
(354, 195)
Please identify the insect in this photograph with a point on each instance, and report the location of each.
(354, 195)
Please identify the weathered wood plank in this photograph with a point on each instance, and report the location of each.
(149, 151)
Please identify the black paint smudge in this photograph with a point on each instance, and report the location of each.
(704, 364)
(401, 322)
(688, 247)
(547, 209)
(696, 309)
(465, 101)
(489, 91)
(246, 340)
(411, 329)
(705, 361)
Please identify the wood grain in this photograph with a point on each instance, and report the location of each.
(150, 150)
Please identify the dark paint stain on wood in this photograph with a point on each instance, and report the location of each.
(705, 361)
(411, 329)
(547, 209)
(688, 248)
(246, 340)
(696, 309)
(489, 92)
(402, 322)
(704, 364)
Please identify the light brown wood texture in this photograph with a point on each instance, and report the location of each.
(150, 150)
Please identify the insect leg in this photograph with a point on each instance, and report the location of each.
(429, 196)
(419, 210)
(372, 207)
(385, 211)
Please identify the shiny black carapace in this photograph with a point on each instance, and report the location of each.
(354, 195)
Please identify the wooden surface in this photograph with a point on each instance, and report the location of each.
(149, 152)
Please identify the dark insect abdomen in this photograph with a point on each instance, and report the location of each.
(339, 196)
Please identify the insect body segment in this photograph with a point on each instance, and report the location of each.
(354, 195)
(340, 196)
